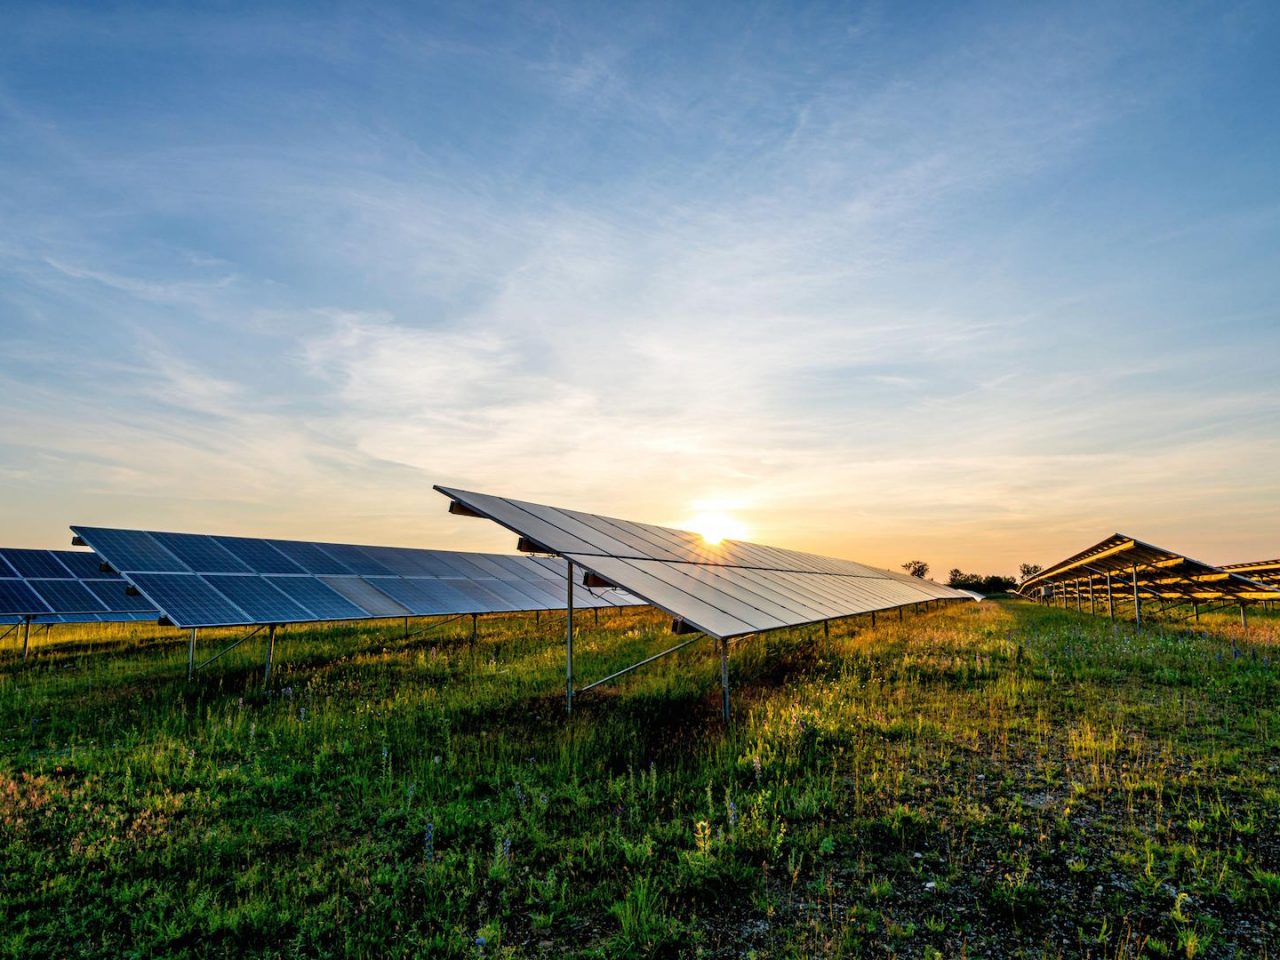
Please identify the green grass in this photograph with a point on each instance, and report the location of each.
(991, 779)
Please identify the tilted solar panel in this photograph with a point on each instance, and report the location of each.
(64, 586)
(197, 580)
(726, 589)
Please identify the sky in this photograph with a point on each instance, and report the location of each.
(977, 284)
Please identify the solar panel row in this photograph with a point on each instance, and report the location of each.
(198, 580)
(725, 589)
(64, 586)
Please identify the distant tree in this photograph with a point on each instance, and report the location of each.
(917, 568)
(1028, 570)
(986, 585)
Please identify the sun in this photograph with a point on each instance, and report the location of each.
(714, 526)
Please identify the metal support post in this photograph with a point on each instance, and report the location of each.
(1137, 600)
(26, 637)
(826, 629)
(406, 628)
(568, 641)
(873, 618)
(1093, 606)
(271, 650)
(899, 614)
(473, 629)
(595, 611)
(1244, 617)
(1195, 610)
(1111, 600)
(191, 655)
(724, 678)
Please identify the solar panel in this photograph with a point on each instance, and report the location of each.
(34, 563)
(259, 555)
(254, 581)
(323, 602)
(311, 557)
(1146, 571)
(17, 597)
(131, 550)
(66, 596)
(425, 598)
(258, 598)
(201, 553)
(365, 595)
(200, 603)
(725, 589)
(62, 586)
(114, 597)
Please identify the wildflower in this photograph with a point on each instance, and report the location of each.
(429, 842)
(733, 814)
(755, 763)
(506, 849)
(520, 797)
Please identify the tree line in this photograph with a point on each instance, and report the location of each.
(979, 583)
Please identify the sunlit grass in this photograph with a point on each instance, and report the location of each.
(988, 779)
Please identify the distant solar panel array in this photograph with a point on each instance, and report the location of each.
(1123, 569)
(198, 580)
(1262, 571)
(64, 586)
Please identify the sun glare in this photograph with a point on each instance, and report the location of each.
(715, 527)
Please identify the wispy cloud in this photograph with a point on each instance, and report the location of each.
(841, 272)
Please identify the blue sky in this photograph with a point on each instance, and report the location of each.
(973, 283)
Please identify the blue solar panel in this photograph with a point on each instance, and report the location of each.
(365, 595)
(259, 555)
(67, 596)
(357, 560)
(427, 598)
(189, 600)
(202, 554)
(324, 603)
(83, 564)
(131, 550)
(320, 583)
(403, 562)
(487, 598)
(115, 596)
(310, 557)
(258, 598)
(35, 563)
(17, 597)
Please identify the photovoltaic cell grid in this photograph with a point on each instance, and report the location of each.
(726, 590)
(197, 580)
(64, 586)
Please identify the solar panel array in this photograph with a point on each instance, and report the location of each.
(64, 586)
(1154, 572)
(727, 589)
(198, 580)
(1263, 571)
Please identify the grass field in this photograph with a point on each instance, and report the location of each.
(985, 780)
